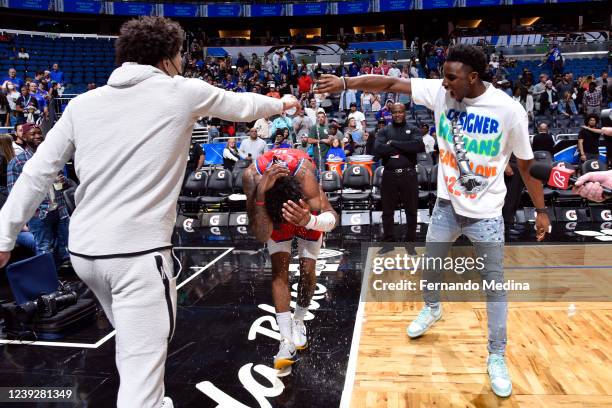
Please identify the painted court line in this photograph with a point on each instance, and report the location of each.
(112, 334)
(351, 367)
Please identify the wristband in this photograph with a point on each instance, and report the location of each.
(323, 222)
(343, 83)
(543, 210)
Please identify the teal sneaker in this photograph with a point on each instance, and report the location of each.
(426, 318)
(499, 376)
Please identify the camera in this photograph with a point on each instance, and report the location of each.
(47, 305)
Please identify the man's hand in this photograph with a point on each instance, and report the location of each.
(296, 214)
(542, 226)
(328, 83)
(270, 176)
(508, 171)
(290, 102)
(590, 185)
(4, 258)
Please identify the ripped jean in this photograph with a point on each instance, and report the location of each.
(487, 236)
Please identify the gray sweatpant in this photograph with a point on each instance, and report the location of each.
(138, 295)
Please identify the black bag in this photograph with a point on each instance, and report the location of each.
(19, 327)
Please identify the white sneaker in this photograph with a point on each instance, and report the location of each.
(285, 357)
(426, 318)
(299, 335)
(499, 376)
(167, 403)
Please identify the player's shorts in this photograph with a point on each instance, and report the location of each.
(309, 241)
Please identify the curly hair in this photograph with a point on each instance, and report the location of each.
(148, 40)
(285, 189)
(588, 118)
(469, 55)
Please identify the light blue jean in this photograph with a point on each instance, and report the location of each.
(487, 236)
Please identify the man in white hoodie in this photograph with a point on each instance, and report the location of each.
(129, 141)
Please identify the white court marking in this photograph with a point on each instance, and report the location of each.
(112, 334)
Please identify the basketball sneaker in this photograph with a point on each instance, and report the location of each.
(299, 335)
(499, 376)
(285, 357)
(426, 318)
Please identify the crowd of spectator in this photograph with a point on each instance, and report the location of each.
(27, 100)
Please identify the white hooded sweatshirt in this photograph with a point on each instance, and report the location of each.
(130, 142)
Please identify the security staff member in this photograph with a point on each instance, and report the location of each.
(397, 145)
(195, 159)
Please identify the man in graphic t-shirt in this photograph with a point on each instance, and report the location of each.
(494, 127)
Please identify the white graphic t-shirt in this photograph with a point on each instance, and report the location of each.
(496, 127)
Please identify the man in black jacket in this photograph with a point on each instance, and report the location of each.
(398, 145)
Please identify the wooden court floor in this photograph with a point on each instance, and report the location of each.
(559, 353)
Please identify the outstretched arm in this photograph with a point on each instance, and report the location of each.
(370, 83)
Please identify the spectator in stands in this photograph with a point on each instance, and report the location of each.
(358, 116)
(49, 224)
(12, 78)
(336, 150)
(555, 59)
(566, 84)
(325, 102)
(281, 122)
(195, 159)
(284, 87)
(567, 107)
(366, 101)
(280, 140)
(311, 110)
(543, 140)
(230, 154)
(253, 147)
(394, 71)
(18, 142)
(385, 113)
(428, 140)
(57, 75)
(5, 110)
(525, 99)
(241, 62)
(538, 90)
(602, 83)
(349, 145)
(273, 93)
(26, 106)
(347, 98)
(355, 133)
(548, 99)
(23, 54)
(319, 140)
(40, 99)
(301, 124)
(263, 128)
(591, 100)
(6, 155)
(588, 140)
(304, 84)
(228, 82)
(11, 96)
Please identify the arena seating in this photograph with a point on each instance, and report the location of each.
(83, 60)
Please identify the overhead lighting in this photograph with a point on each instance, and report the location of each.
(528, 21)
(468, 23)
